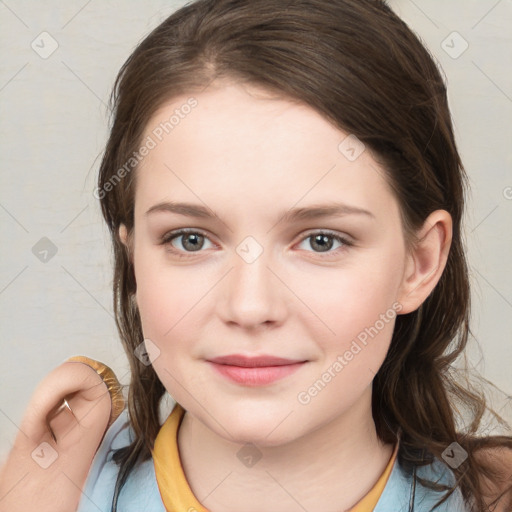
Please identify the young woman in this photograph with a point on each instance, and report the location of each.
(285, 199)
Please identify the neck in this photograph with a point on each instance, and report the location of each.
(330, 468)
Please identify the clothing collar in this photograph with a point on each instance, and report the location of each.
(174, 487)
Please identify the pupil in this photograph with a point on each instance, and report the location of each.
(323, 241)
(195, 241)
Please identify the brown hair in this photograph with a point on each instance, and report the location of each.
(361, 67)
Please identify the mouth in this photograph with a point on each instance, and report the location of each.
(255, 370)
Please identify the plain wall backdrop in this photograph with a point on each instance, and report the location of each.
(59, 61)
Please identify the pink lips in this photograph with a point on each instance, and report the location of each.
(254, 371)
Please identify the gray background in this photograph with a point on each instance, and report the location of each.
(52, 130)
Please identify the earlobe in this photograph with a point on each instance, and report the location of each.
(426, 261)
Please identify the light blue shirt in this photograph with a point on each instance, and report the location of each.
(140, 493)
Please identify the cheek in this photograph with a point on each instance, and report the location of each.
(168, 304)
(165, 296)
(355, 315)
(362, 316)
(348, 301)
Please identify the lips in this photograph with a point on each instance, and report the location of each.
(255, 370)
(253, 361)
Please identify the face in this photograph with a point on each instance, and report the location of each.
(262, 270)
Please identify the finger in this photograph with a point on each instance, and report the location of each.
(43, 469)
(81, 386)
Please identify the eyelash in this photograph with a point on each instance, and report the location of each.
(167, 238)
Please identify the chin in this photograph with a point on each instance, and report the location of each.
(258, 427)
(258, 435)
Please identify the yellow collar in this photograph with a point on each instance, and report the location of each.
(175, 490)
(172, 483)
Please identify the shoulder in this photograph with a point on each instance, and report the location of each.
(497, 459)
(404, 493)
(497, 456)
(140, 492)
(440, 473)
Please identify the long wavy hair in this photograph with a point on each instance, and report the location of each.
(363, 69)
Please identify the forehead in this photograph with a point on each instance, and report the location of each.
(244, 145)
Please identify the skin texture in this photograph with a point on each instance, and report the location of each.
(28, 486)
(250, 157)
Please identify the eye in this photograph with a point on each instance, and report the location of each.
(192, 240)
(324, 241)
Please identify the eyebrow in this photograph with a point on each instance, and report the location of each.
(315, 211)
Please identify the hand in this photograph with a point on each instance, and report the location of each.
(53, 451)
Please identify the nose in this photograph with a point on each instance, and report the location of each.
(252, 294)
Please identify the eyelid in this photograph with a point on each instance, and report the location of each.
(335, 234)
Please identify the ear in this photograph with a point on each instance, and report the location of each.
(127, 240)
(426, 260)
(123, 233)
